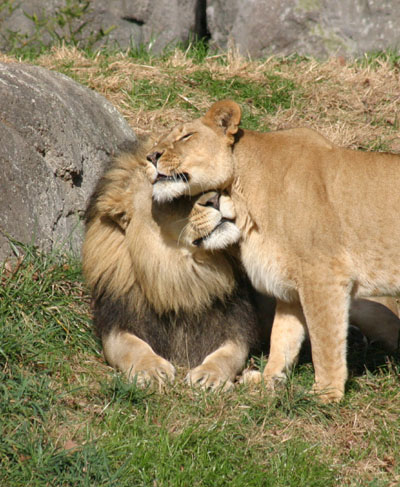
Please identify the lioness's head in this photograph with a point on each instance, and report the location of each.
(196, 156)
(211, 222)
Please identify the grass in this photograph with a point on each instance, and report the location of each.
(67, 419)
(354, 104)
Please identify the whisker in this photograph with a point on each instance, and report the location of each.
(181, 219)
(202, 188)
(182, 232)
(184, 178)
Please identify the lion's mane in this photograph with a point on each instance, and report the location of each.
(183, 307)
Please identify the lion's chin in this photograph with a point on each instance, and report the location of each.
(168, 190)
(223, 236)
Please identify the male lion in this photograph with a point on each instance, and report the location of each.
(160, 295)
(319, 225)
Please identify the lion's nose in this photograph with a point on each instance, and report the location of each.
(213, 201)
(153, 157)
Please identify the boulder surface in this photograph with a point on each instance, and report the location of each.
(318, 28)
(56, 138)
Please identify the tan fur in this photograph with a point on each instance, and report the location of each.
(147, 275)
(134, 357)
(319, 224)
(127, 230)
(219, 369)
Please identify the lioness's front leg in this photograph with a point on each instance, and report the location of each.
(220, 368)
(136, 359)
(326, 309)
(287, 335)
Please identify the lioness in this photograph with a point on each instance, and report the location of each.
(319, 225)
(161, 297)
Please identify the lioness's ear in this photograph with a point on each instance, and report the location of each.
(225, 115)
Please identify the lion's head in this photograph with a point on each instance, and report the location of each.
(132, 240)
(196, 156)
(211, 222)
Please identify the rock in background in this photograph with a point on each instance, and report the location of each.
(257, 27)
(56, 137)
(308, 27)
(118, 23)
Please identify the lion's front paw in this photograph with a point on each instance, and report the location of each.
(151, 172)
(209, 377)
(152, 371)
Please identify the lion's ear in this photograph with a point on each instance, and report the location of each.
(225, 115)
(114, 206)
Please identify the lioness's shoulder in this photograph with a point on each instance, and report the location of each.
(294, 138)
(305, 134)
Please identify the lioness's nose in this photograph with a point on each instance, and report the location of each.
(153, 157)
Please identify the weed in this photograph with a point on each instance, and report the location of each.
(65, 25)
(375, 59)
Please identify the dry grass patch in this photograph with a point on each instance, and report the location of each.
(354, 105)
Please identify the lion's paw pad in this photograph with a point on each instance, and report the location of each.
(160, 372)
(208, 379)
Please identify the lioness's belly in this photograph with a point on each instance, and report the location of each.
(266, 267)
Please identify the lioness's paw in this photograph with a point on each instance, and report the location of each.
(254, 377)
(151, 172)
(208, 377)
(251, 377)
(327, 395)
(156, 371)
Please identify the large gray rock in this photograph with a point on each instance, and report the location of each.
(56, 137)
(309, 27)
(125, 23)
(258, 27)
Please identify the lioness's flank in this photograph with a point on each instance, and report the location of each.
(319, 225)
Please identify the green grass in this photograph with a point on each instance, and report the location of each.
(66, 419)
(267, 96)
(256, 98)
(375, 58)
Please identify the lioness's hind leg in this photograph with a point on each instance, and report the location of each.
(287, 335)
(377, 322)
(136, 359)
(219, 369)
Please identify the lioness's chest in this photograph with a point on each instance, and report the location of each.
(267, 266)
